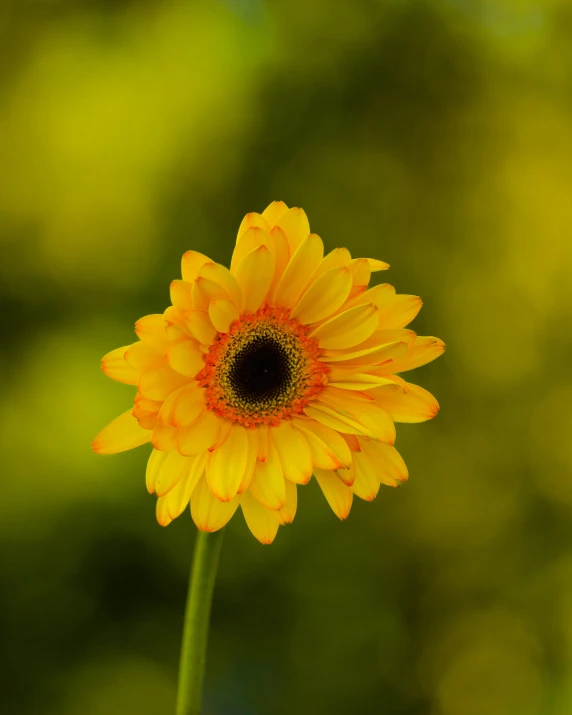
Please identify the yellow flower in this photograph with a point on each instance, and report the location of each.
(258, 377)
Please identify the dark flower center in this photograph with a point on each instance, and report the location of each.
(260, 371)
(264, 370)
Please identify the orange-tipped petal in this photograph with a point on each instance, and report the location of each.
(274, 211)
(152, 330)
(181, 295)
(288, 512)
(299, 271)
(338, 494)
(143, 357)
(191, 264)
(200, 326)
(261, 522)
(210, 514)
(347, 329)
(323, 298)
(120, 435)
(227, 464)
(415, 405)
(254, 276)
(295, 225)
(220, 275)
(390, 467)
(366, 482)
(328, 448)
(185, 357)
(376, 265)
(200, 436)
(252, 220)
(267, 483)
(400, 311)
(222, 313)
(114, 366)
(423, 350)
(293, 452)
(158, 384)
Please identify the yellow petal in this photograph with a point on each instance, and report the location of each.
(362, 409)
(252, 238)
(204, 290)
(175, 321)
(335, 420)
(263, 442)
(295, 225)
(361, 272)
(328, 448)
(390, 467)
(299, 271)
(348, 476)
(227, 463)
(368, 356)
(252, 220)
(153, 469)
(201, 326)
(151, 330)
(423, 350)
(347, 329)
(114, 366)
(339, 257)
(338, 495)
(267, 483)
(181, 295)
(210, 514)
(178, 498)
(352, 442)
(166, 409)
(200, 436)
(274, 211)
(120, 435)
(379, 296)
(220, 275)
(281, 251)
(415, 405)
(224, 430)
(158, 384)
(191, 264)
(324, 296)
(164, 437)
(222, 313)
(366, 483)
(356, 378)
(288, 512)
(185, 357)
(293, 452)
(254, 276)
(252, 435)
(189, 403)
(400, 311)
(143, 357)
(173, 468)
(162, 514)
(261, 522)
(376, 265)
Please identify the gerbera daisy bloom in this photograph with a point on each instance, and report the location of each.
(259, 377)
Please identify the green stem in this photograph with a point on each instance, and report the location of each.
(197, 616)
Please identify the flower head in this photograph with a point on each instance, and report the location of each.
(258, 377)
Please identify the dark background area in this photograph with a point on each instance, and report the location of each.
(433, 135)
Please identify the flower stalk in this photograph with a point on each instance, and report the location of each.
(197, 619)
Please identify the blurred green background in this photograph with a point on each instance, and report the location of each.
(433, 135)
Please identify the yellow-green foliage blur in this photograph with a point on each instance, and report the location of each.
(435, 135)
